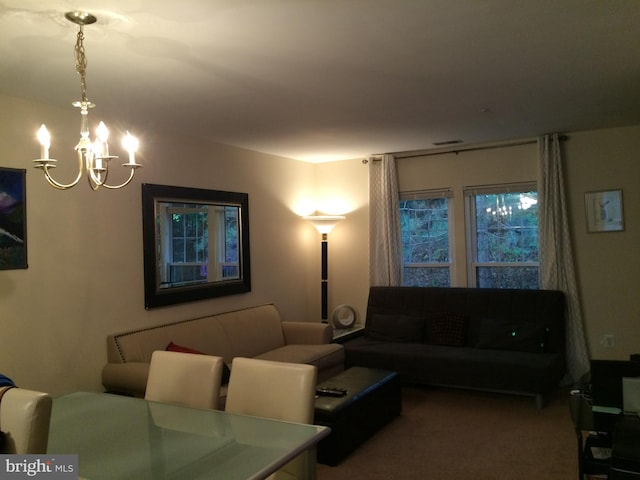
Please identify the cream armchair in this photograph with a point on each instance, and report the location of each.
(279, 390)
(184, 379)
(24, 418)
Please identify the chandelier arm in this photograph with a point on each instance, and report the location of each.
(96, 178)
(131, 174)
(58, 185)
(63, 186)
(92, 183)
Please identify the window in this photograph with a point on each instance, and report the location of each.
(193, 255)
(503, 228)
(424, 220)
(189, 251)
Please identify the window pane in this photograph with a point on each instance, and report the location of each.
(425, 240)
(191, 225)
(230, 271)
(425, 230)
(507, 235)
(191, 250)
(177, 225)
(507, 227)
(188, 273)
(425, 276)
(178, 250)
(507, 277)
(231, 234)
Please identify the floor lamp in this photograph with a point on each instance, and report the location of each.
(324, 224)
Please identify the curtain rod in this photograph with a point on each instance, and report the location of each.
(470, 148)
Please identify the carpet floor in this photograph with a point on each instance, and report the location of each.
(454, 434)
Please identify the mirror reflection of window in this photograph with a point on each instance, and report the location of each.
(197, 243)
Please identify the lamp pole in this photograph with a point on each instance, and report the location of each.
(324, 286)
(324, 224)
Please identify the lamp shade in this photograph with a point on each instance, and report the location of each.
(324, 223)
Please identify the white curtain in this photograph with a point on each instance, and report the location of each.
(556, 256)
(384, 223)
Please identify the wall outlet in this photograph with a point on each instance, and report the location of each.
(608, 341)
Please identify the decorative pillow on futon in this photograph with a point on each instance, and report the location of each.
(395, 328)
(446, 328)
(172, 347)
(507, 335)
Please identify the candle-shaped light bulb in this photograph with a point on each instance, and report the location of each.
(103, 135)
(130, 144)
(45, 142)
(94, 156)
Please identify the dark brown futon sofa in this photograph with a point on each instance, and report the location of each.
(504, 340)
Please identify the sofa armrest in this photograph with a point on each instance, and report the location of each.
(307, 333)
(129, 378)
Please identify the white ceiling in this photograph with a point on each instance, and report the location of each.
(335, 79)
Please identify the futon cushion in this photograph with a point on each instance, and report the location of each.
(446, 328)
(506, 335)
(395, 328)
(172, 347)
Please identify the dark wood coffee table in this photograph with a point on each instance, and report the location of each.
(373, 398)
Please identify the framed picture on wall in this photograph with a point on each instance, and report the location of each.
(13, 219)
(604, 211)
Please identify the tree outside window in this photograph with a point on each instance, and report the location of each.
(425, 242)
(505, 240)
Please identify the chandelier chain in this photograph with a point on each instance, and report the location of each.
(81, 63)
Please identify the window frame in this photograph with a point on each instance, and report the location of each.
(470, 193)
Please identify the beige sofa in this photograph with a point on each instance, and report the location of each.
(255, 332)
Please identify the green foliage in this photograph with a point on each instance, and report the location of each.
(425, 230)
(507, 227)
(425, 240)
(507, 232)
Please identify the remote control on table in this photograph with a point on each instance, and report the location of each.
(331, 391)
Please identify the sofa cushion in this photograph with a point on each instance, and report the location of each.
(446, 328)
(172, 347)
(251, 332)
(395, 328)
(321, 356)
(501, 334)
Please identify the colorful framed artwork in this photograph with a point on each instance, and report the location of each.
(13, 219)
(604, 211)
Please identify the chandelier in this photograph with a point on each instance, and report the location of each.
(93, 157)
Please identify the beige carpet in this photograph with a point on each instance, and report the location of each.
(454, 434)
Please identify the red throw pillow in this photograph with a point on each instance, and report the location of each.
(172, 347)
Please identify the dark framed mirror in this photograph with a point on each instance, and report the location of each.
(196, 244)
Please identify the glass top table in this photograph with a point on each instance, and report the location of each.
(130, 438)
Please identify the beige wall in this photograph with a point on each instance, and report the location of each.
(346, 184)
(608, 264)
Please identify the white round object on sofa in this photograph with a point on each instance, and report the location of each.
(344, 316)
